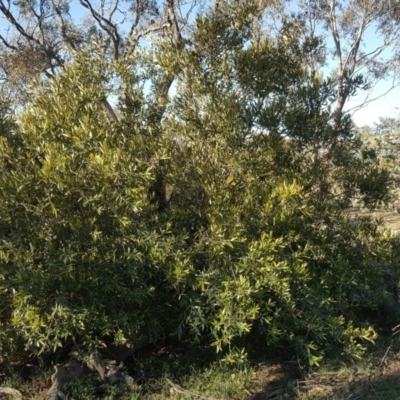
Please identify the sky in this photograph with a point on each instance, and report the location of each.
(386, 106)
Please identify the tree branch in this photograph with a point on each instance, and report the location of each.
(10, 17)
(106, 25)
(171, 15)
(368, 100)
(7, 44)
(63, 26)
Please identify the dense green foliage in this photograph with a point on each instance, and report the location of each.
(215, 213)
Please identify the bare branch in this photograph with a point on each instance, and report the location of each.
(352, 55)
(136, 22)
(10, 17)
(109, 110)
(152, 29)
(62, 25)
(106, 25)
(7, 44)
(112, 11)
(173, 21)
(368, 100)
(342, 87)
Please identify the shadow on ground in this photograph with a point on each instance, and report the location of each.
(378, 384)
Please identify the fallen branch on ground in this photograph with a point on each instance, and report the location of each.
(12, 392)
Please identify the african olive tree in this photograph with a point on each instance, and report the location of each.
(215, 210)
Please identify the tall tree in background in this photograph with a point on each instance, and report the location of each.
(360, 37)
(40, 36)
(384, 138)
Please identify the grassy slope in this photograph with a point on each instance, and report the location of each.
(172, 373)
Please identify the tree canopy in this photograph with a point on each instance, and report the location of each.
(40, 36)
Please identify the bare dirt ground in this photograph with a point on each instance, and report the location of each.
(389, 219)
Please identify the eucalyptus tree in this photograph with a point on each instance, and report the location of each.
(385, 135)
(355, 42)
(361, 37)
(39, 37)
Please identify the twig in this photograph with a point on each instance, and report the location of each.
(373, 389)
(396, 330)
(179, 389)
(386, 353)
(355, 398)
